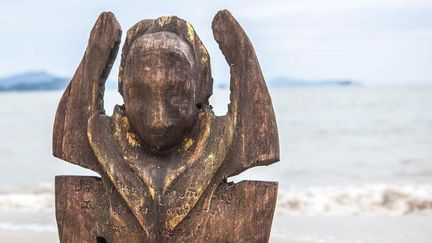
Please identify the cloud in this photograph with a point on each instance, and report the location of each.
(255, 9)
(367, 40)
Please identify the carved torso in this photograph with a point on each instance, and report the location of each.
(162, 189)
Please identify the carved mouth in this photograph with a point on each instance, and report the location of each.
(158, 135)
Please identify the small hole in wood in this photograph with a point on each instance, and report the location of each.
(100, 239)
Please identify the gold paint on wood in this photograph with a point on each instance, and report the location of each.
(133, 140)
(188, 142)
(190, 32)
(163, 21)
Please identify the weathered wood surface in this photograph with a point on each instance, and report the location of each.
(84, 95)
(163, 156)
(84, 212)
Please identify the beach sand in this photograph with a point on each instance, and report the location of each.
(352, 229)
(309, 229)
(24, 237)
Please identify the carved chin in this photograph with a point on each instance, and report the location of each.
(162, 141)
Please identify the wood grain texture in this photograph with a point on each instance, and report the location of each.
(251, 112)
(163, 156)
(84, 95)
(84, 213)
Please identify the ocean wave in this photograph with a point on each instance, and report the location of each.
(369, 199)
(40, 187)
(374, 199)
(39, 197)
(26, 202)
(28, 227)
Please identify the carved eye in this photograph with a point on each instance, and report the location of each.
(179, 104)
(176, 101)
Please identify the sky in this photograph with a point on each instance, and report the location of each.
(369, 41)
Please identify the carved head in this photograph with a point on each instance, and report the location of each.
(161, 85)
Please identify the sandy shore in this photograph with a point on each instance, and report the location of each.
(352, 229)
(24, 237)
(301, 229)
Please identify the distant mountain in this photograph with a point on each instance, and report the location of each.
(44, 81)
(287, 82)
(32, 81)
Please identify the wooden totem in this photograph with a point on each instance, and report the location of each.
(163, 157)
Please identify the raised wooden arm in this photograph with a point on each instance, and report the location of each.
(84, 95)
(250, 112)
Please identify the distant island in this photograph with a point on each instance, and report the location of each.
(40, 80)
(287, 82)
(33, 81)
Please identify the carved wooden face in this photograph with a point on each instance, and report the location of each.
(158, 89)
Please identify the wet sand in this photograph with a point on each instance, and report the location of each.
(24, 237)
(308, 229)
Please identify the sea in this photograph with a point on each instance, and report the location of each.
(356, 162)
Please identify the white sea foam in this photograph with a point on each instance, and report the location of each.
(26, 202)
(39, 197)
(371, 199)
(28, 227)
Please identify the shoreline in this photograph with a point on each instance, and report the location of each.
(25, 236)
(302, 229)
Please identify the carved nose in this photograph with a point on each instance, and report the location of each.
(160, 129)
(160, 122)
(161, 125)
